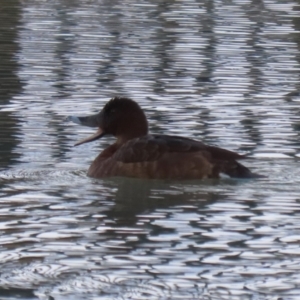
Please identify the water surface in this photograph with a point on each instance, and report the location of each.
(226, 73)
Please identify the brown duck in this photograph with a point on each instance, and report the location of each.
(136, 153)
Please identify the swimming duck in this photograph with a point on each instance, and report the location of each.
(136, 153)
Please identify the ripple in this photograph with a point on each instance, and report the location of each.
(226, 74)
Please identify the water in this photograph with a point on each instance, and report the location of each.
(226, 73)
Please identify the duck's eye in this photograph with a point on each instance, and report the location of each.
(110, 111)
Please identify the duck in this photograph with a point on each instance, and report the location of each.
(138, 154)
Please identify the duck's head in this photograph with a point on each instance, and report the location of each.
(120, 117)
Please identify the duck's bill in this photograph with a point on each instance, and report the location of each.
(90, 121)
(97, 135)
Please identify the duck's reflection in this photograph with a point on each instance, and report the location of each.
(137, 196)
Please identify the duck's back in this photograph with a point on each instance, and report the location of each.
(167, 157)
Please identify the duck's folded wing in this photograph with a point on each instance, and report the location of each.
(152, 148)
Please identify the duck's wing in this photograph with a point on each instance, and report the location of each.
(190, 156)
(152, 147)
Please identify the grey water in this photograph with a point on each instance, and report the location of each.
(224, 72)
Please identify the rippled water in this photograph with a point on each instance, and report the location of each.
(225, 72)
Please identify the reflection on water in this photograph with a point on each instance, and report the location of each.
(10, 84)
(224, 73)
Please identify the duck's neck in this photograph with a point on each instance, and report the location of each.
(135, 128)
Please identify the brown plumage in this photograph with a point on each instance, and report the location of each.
(138, 154)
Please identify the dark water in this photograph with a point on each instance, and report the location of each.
(225, 72)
